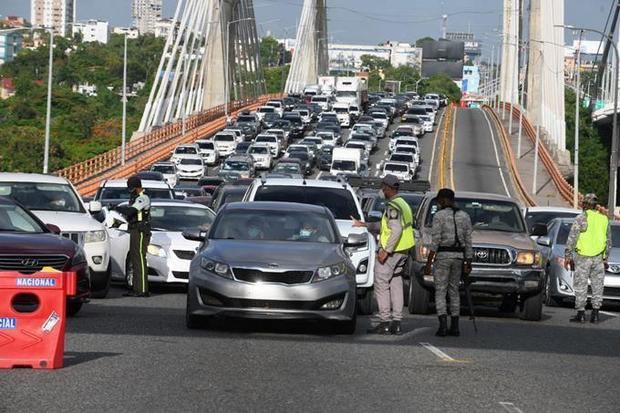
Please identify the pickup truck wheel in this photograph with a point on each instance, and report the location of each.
(367, 304)
(532, 307)
(419, 297)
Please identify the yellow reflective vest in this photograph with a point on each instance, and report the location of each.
(593, 240)
(407, 237)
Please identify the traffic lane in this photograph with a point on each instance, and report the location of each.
(476, 155)
(137, 354)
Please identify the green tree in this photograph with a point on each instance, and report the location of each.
(420, 42)
(275, 78)
(374, 62)
(272, 52)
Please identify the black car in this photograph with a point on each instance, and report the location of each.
(283, 124)
(249, 124)
(27, 245)
(331, 127)
(270, 118)
(298, 129)
(229, 192)
(305, 159)
(242, 148)
(325, 157)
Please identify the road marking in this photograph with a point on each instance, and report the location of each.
(430, 169)
(319, 175)
(452, 151)
(437, 352)
(510, 407)
(499, 165)
(385, 153)
(413, 332)
(608, 313)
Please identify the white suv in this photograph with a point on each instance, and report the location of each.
(55, 201)
(208, 151)
(340, 199)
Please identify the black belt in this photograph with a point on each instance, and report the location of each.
(451, 249)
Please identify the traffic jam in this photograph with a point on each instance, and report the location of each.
(257, 219)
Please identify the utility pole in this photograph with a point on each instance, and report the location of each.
(577, 99)
(124, 133)
(48, 116)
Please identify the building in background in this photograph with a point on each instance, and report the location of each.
(131, 32)
(473, 49)
(145, 14)
(10, 44)
(163, 27)
(13, 22)
(470, 83)
(93, 31)
(57, 14)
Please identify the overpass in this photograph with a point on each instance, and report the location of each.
(210, 70)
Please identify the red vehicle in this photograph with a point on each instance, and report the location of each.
(27, 246)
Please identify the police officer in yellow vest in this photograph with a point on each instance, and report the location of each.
(396, 238)
(588, 245)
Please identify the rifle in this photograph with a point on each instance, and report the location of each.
(470, 303)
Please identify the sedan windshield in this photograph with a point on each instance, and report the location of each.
(259, 150)
(224, 138)
(274, 226)
(42, 197)
(236, 166)
(14, 219)
(338, 200)
(343, 165)
(186, 150)
(488, 215)
(189, 161)
(164, 169)
(396, 167)
(181, 218)
(288, 168)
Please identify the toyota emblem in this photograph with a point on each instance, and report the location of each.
(482, 254)
(30, 262)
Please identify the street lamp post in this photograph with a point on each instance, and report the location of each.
(124, 127)
(48, 116)
(227, 63)
(613, 163)
(577, 99)
(417, 82)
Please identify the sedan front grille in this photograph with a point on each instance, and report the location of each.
(286, 277)
(185, 255)
(492, 256)
(77, 237)
(29, 264)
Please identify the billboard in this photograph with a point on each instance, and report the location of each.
(443, 50)
(453, 69)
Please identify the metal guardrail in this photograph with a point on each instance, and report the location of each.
(152, 147)
(512, 163)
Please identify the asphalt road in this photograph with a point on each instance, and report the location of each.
(135, 354)
(478, 160)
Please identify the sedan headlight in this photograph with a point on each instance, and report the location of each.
(614, 268)
(156, 250)
(532, 258)
(79, 258)
(95, 236)
(223, 270)
(325, 273)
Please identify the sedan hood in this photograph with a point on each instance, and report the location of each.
(169, 239)
(296, 255)
(69, 221)
(23, 244)
(345, 226)
(508, 239)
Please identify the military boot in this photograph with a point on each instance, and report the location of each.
(381, 328)
(594, 316)
(454, 327)
(443, 326)
(580, 317)
(395, 328)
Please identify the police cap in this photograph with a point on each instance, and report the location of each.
(391, 181)
(133, 183)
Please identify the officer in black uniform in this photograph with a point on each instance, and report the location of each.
(138, 216)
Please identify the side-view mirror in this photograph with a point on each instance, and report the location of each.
(355, 240)
(544, 241)
(179, 197)
(195, 235)
(53, 229)
(539, 230)
(94, 206)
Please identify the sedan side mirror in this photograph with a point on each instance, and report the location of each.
(53, 229)
(539, 230)
(544, 241)
(195, 235)
(355, 240)
(94, 206)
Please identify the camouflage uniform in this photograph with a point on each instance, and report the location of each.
(388, 284)
(591, 268)
(448, 265)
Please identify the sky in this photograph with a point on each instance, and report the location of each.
(357, 21)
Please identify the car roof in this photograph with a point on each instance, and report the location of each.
(26, 177)
(164, 163)
(477, 195)
(313, 183)
(553, 209)
(186, 204)
(277, 206)
(146, 183)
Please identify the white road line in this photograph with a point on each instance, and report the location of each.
(385, 153)
(430, 169)
(499, 165)
(608, 313)
(319, 175)
(437, 352)
(510, 407)
(413, 332)
(452, 152)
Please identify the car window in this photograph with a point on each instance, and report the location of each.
(487, 215)
(180, 218)
(343, 165)
(121, 194)
(181, 150)
(224, 138)
(42, 196)
(13, 218)
(206, 145)
(564, 230)
(396, 167)
(288, 168)
(615, 236)
(274, 226)
(544, 217)
(339, 201)
(164, 169)
(258, 150)
(189, 161)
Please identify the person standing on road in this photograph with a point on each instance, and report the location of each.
(452, 253)
(590, 241)
(396, 238)
(138, 216)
